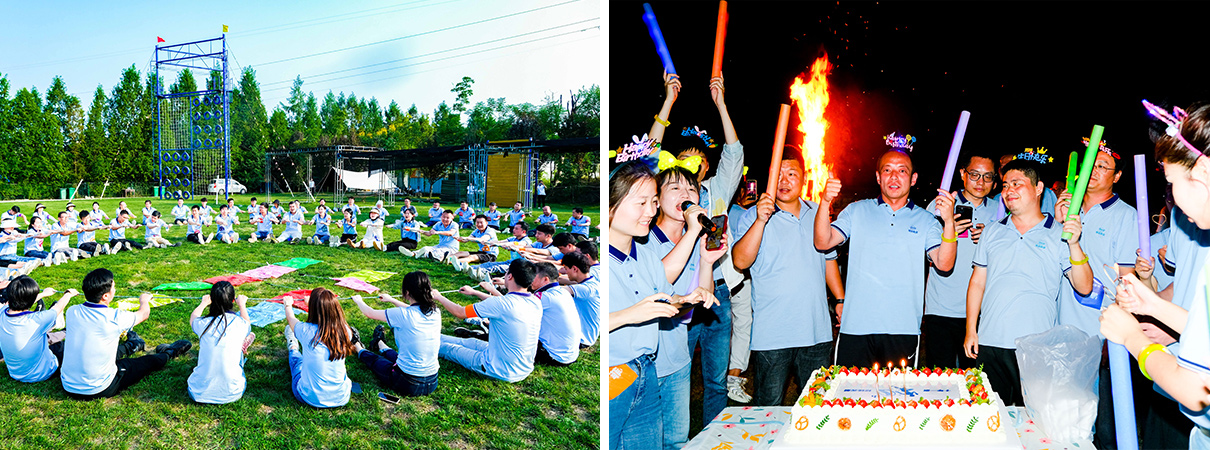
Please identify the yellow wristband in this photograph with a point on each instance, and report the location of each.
(662, 121)
(1076, 263)
(944, 239)
(1143, 357)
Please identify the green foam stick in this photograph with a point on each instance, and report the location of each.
(1073, 165)
(1090, 158)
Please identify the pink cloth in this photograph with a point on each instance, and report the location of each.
(300, 298)
(267, 272)
(235, 280)
(356, 284)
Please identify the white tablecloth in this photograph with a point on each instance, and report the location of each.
(756, 427)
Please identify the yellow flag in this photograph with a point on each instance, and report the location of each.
(224, 28)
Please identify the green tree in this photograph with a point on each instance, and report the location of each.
(334, 118)
(447, 127)
(279, 130)
(184, 83)
(124, 120)
(96, 144)
(37, 140)
(490, 120)
(464, 93)
(68, 114)
(249, 129)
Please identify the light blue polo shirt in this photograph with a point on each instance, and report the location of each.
(522, 243)
(580, 225)
(674, 334)
(266, 222)
(60, 241)
(23, 341)
(1025, 273)
(490, 233)
(1162, 278)
(465, 215)
(515, 216)
(516, 318)
(219, 376)
(120, 231)
(83, 237)
(348, 226)
(1049, 199)
(587, 296)
(1188, 248)
(788, 289)
(153, 227)
(1110, 235)
(435, 213)
(945, 293)
(322, 383)
(1193, 351)
(443, 241)
(8, 248)
(552, 219)
(352, 208)
(884, 288)
(292, 222)
(321, 224)
(633, 276)
(493, 218)
(560, 332)
(417, 338)
(405, 234)
(89, 363)
(224, 225)
(34, 243)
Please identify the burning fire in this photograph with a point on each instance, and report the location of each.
(811, 99)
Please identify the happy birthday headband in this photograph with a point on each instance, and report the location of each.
(639, 151)
(1104, 147)
(701, 134)
(1037, 155)
(1174, 122)
(900, 142)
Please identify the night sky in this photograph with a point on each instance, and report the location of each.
(1031, 74)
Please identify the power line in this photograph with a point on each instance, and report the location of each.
(434, 53)
(446, 58)
(415, 35)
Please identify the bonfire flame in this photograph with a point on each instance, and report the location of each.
(811, 99)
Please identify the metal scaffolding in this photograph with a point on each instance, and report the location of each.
(193, 129)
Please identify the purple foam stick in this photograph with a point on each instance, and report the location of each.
(955, 147)
(1140, 196)
(653, 28)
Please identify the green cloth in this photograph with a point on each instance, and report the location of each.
(371, 276)
(190, 286)
(132, 304)
(298, 263)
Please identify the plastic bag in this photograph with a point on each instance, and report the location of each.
(1058, 372)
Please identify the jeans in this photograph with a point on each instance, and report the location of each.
(37, 254)
(634, 415)
(674, 406)
(389, 374)
(772, 369)
(323, 237)
(262, 235)
(712, 328)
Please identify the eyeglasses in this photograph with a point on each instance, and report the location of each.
(985, 176)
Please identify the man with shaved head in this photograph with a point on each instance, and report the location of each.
(885, 284)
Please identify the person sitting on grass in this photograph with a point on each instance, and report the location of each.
(122, 207)
(207, 211)
(579, 223)
(293, 220)
(543, 244)
(193, 227)
(60, 240)
(547, 217)
(516, 215)
(560, 333)
(31, 351)
(226, 226)
(222, 339)
(560, 244)
(117, 234)
(481, 236)
(264, 221)
(33, 240)
(351, 206)
(154, 236)
(435, 214)
(277, 210)
(13, 214)
(589, 249)
(407, 206)
(98, 213)
(233, 210)
(180, 212)
(72, 214)
(408, 236)
(147, 210)
(446, 244)
(373, 238)
(317, 367)
(586, 295)
(89, 370)
(9, 236)
(516, 317)
(412, 371)
(321, 220)
(40, 211)
(466, 215)
(253, 208)
(514, 244)
(382, 210)
(86, 234)
(493, 216)
(348, 228)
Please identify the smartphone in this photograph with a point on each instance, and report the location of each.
(388, 397)
(750, 188)
(715, 240)
(682, 308)
(964, 212)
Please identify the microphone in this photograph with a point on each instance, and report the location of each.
(707, 224)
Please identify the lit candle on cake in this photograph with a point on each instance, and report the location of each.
(903, 365)
(878, 395)
(891, 387)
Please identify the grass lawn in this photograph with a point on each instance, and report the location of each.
(553, 408)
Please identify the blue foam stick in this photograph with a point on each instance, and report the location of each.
(658, 37)
(1123, 397)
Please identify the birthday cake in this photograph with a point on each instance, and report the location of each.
(926, 406)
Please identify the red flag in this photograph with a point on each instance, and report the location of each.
(159, 39)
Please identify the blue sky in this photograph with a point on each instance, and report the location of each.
(89, 43)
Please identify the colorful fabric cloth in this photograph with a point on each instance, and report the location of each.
(356, 284)
(267, 272)
(370, 276)
(235, 280)
(298, 263)
(300, 298)
(190, 286)
(132, 304)
(265, 313)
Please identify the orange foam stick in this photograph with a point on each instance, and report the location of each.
(779, 141)
(720, 36)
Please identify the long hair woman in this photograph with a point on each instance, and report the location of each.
(223, 337)
(317, 350)
(416, 324)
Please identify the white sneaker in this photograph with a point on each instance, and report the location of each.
(128, 247)
(334, 244)
(735, 389)
(405, 252)
(252, 239)
(75, 256)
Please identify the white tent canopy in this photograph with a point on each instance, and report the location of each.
(364, 180)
